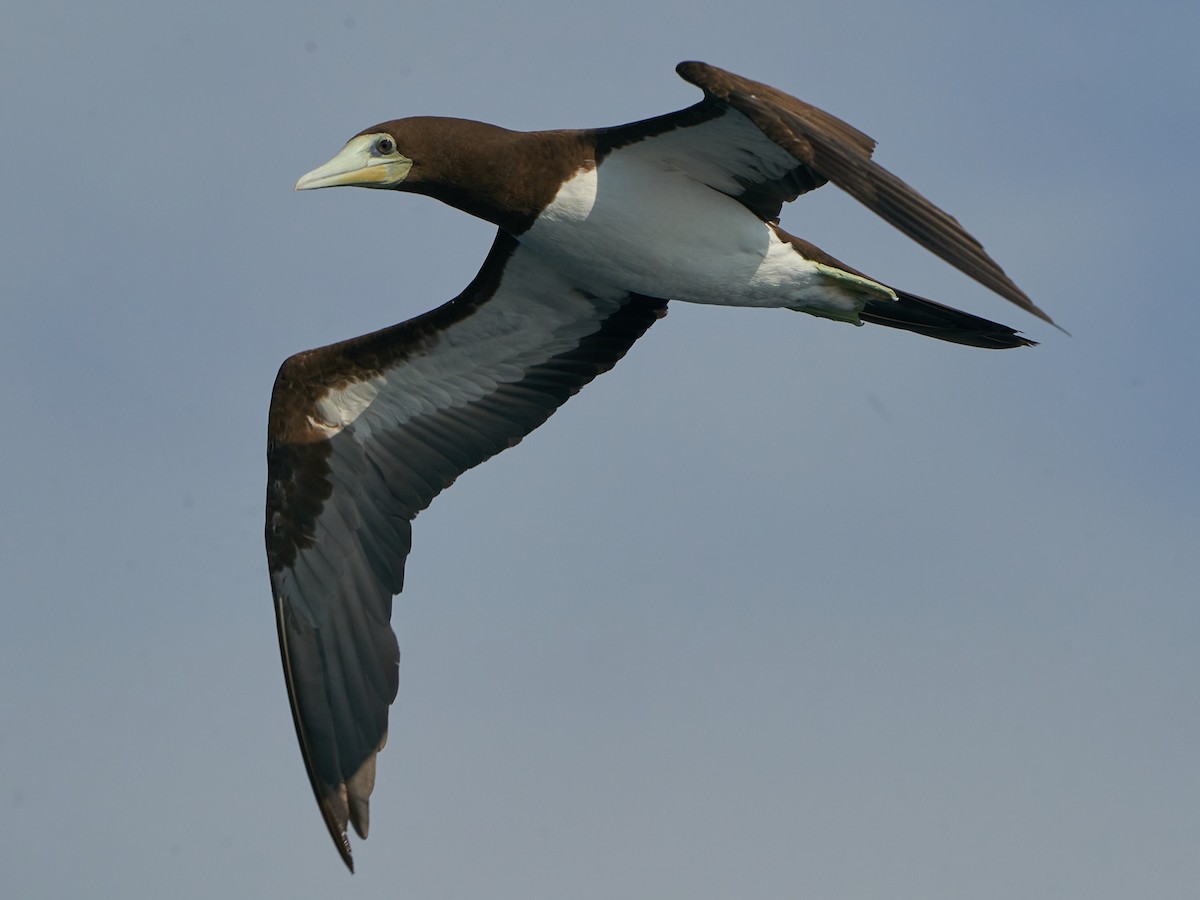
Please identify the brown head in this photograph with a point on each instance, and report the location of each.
(505, 177)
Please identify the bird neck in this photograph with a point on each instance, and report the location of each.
(504, 177)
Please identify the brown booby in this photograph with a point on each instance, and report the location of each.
(597, 230)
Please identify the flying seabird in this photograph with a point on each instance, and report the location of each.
(596, 230)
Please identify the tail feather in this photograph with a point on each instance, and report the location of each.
(913, 313)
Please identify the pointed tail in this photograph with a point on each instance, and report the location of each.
(913, 313)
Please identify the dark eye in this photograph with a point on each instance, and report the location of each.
(385, 146)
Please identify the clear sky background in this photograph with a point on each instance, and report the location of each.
(778, 608)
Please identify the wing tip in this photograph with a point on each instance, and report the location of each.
(1021, 299)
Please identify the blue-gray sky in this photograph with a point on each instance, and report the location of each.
(778, 608)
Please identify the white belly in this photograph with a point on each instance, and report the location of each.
(657, 232)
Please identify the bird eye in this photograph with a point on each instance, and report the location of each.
(385, 146)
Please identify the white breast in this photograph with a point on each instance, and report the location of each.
(644, 225)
